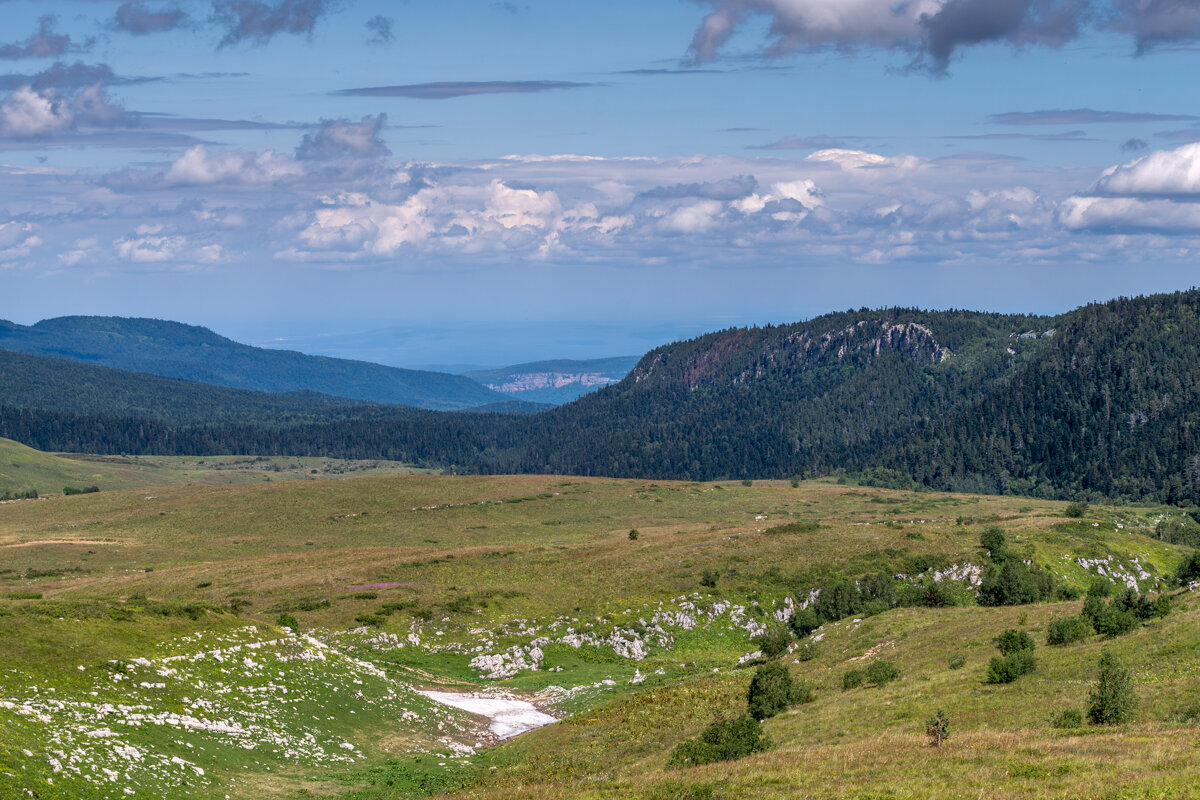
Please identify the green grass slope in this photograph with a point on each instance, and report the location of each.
(147, 621)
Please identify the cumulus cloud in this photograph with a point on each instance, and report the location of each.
(17, 240)
(341, 138)
(200, 167)
(962, 23)
(1129, 215)
(258, 21)
(93, 105)
(1157, 192)
(28, 113)
(140, 19)
(1163, 172)
(44, 43)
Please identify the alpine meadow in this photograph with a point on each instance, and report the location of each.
(664, 400)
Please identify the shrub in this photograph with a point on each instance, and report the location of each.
(1115, 621)
(69, 490)
(1093, 607)
(1006, 669)
(633, 534)
(852, 679)
(807, 651)
(1067, 718)
(1075, 510)
(773, 689)
(708, 578)
(1065, 591)
(882, 672)
(1100, 587)
(371, 620)
(286, 620)
(1112, 700)
(937, 728)
(774, 642)
(803, 621)
(1189, 570)
(724, 740)
(238, 604)
(1012, 641)
(1014, 583)
(1067, 631)
(957, 660)
(992, 540)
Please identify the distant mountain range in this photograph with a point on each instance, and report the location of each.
(555, 382)
(188, 352)
(1102, 401)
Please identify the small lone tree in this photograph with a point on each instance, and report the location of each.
(937, 728)
(633, 534)
(1112, 700)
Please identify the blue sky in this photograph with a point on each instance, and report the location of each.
(484, 183)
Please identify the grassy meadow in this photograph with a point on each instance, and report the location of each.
(122, 608)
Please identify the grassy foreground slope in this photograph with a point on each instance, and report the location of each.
(164, 603)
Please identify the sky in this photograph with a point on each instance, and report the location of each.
(485, 183)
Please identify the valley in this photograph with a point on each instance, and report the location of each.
(284, 639)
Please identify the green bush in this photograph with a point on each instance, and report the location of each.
(774, 642)
(807, 651)
(992, 540)
(1006, 669)
(773, 689)
(1100, 587)
(852, 679)
(1189, 570)
(69, 490)
(1114, 621)
(1012, 582)
(881, 673)
(803, 621)
(709, 577)
(1012, 641)
(957, 660)
(633, 534)
(286, 620)
(1112, 700)
(371, 620)
(724, 740)
(1067, 718)
(1068, 631)
(1075, 510)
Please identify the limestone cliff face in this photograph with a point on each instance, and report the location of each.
(745, 355)
(530, 381)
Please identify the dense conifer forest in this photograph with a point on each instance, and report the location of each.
(1099, 402)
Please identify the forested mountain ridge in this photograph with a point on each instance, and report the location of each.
(1103, 401)
(189, 352)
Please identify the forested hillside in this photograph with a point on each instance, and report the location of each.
(1099, 402)
(174, 350)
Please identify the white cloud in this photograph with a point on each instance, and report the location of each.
(692, 218)
(28, 114)
(1163, 172)
(199, 167)
(1130, 214)
(150, 249)
(18, 240)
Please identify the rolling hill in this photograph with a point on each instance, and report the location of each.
(188, 352)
